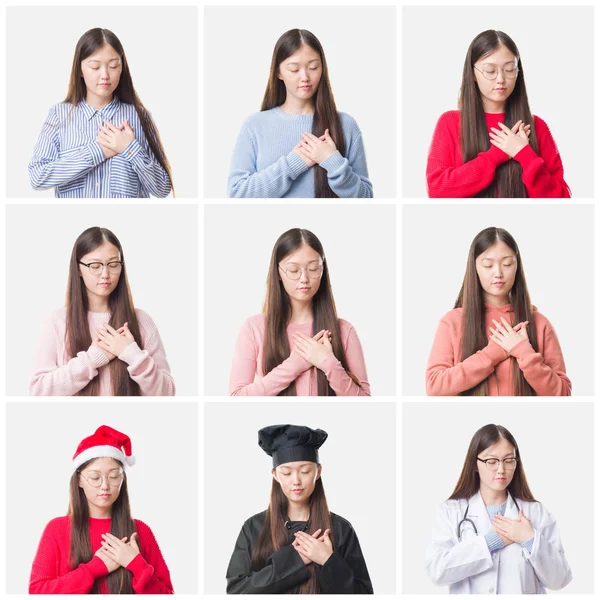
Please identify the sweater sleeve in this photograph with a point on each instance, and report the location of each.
(244, 366)
(546, 373)
(444, 178)
(543, 174)
(345, 571)
(444, 378)
(348, 177)
(339, 380)
(50, 166)
(245, 181)
(283, 570)
(50, 379)
(45, 579)
(150, 572)
(149, 367)
(150, 172)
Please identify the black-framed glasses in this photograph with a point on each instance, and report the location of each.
(313, 270)
(113, 479)
(510, 464)
(96, 268)
(491, 71)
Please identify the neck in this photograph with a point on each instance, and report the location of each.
(298, 512)
(97, 304)
(97, 512)
(496, 300)
(493, 497)
(97, 102)
(302, 312)
(296, 106)
(489, 106)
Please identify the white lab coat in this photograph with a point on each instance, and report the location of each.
(469, 568)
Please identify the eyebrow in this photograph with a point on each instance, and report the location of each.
(310, 61)
(509, 455)
(503, 258)
(96, 60)
(110, 259)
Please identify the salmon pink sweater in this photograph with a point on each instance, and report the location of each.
(57, 374)
(449, 177)
(247, 377)
(449, 375)
(51, 574)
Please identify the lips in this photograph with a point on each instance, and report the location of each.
(104, 495)
(305, 87)
(297, 491)
(498, 283)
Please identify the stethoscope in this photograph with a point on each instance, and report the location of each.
(465, 519)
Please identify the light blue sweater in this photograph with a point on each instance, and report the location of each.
(264, 164)
(493, 540)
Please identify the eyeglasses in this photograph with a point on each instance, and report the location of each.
(491, 72)
(313, 270)
(510, 464)
(96, 268)
(113, 479)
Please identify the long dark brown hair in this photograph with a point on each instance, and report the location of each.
(122, 525)
(90, 42)
(474, 137)
(277, 311)
(468, 482)
(326, 115)
(471, 299)
(77, 334)
(274, 535)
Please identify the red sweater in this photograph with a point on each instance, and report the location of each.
(449, 177)
(50, 573)
(449, 375)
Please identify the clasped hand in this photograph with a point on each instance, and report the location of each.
(508, 337)
(312, 149)
(511, 530)
(511, 140)
(114, 139)
(113, 341)
(313, 349)
(313, 548)
(115, 552)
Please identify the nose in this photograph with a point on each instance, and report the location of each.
(501, 467)
(104, 485)
(500, 76)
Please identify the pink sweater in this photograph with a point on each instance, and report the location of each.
(247, 377)
(449, 375)
(55, 374)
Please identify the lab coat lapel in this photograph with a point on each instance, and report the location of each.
(479, 514)
(512, 512)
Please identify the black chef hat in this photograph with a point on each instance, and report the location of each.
(289, 443)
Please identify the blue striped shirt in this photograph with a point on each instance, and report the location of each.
(68, 157)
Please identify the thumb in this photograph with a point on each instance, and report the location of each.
(128, 126)
(327, 136)
(133, 540)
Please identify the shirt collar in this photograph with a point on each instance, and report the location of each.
(107, 113)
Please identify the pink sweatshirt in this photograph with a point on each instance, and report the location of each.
(248, 379)
(55, 374)
(449, 375)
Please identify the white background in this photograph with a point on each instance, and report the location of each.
(39, 460)
(359, 244)
(360, 49)
(160, 46)
(557, 249)
(556, 446)
(359, 469)
(160, 247)
(556, 47)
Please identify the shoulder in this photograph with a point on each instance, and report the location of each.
(453, 317)
(143, 529)
(56, 319)
(345, 326)
(540, 124)
(260, 119)
(58, 526)
(349, 123)
(449, 118)
(255, 323)
(534, 510)
(339, 521)
(540, 320)
(144, 319)
(254, 524)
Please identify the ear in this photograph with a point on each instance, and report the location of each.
(319, 470)
(79, 480)
(274, 473)
(279, 75)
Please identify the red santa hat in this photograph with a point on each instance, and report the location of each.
(105, 443)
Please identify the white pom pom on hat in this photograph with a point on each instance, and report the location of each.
(106, 442)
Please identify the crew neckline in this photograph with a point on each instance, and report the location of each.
(306, 325)
(293, 117)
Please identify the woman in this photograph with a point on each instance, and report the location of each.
(101, 142)
(493, 146)
(98, 548)
(296, 545)
(491, 536)
(495, 342)
(298, 346)
(99, 344)
(299, 145)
